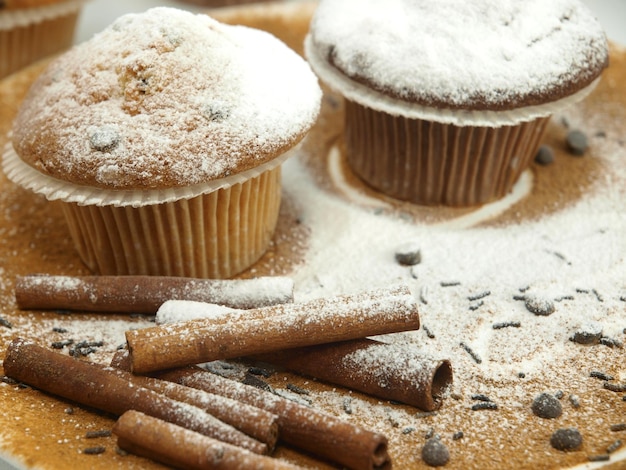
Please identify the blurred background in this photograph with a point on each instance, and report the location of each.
(98, 14)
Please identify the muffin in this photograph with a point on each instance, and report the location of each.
(446, 103)
(33, 29)
(163, 137)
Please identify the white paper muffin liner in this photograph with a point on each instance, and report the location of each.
(366, 96)
(20, 17)
(30, 34)
(431, 163)
(215, 235)
(54, 189)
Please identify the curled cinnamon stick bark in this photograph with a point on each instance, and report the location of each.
(251, 420)
(176, 446)
(144, 294)
(277, 327)
(97, 387)
(307, 429)
(383, 370)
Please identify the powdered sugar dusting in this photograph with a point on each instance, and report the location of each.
(166, 99)
(487, 54)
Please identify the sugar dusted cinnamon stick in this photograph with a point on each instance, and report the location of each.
(393, 372)
(302, 427)
(97, 387)
(277, 327)
(256, 422)
(383, 370)
(178, 447)
(144, 294)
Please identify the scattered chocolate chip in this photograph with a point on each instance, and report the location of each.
(347, 405)
(521, 375)
(508, 324)
(94, 450)
(615, 387)
(408, 430)
(100, 433)
(480, 397)
(600, 375)
(298, 390)
(430, 433)
(408, 254)
(539, 305)
(61, 344)
(618, 427)
(429, 333)
(457, 435)
(104, 138)
(58, 329)
(250, 379)
(479, 296)
(472, 354)
(435, 453)
(476, 306)
(546, 406)
(424, 295)
(260, 371)
(545, 155)
(484, 406)
(575, 401)
(566, 439)
(559, 394)
(576, 142)
(6, 323)
(614, 446)
(589, 333)
(611, 342)
(449, 283)
(599, 458)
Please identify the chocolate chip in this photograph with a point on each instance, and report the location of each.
(104, 138)
(577, 142)
(589, 333)
(546, 406)
(435, 453)
(545, 155)
(539, 305)
(566, 439)
(94, 450)
(408, 254)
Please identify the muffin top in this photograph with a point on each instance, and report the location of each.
(165, 99)
(485, 55)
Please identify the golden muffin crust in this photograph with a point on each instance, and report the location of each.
(166, 99)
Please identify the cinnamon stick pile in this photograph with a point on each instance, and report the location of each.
(180, 402)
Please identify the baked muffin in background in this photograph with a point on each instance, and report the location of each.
(163, 137)
(222, 3)
(33, 29)
(446, 102)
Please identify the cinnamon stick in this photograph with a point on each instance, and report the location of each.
(305, 428)
(274, 328)
(392, 372)
(251, 420)
(176, 446)
(383, 370)
(144, 294)
(97, 387)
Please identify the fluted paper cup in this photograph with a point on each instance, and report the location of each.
(432, 163)
(31, 34)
